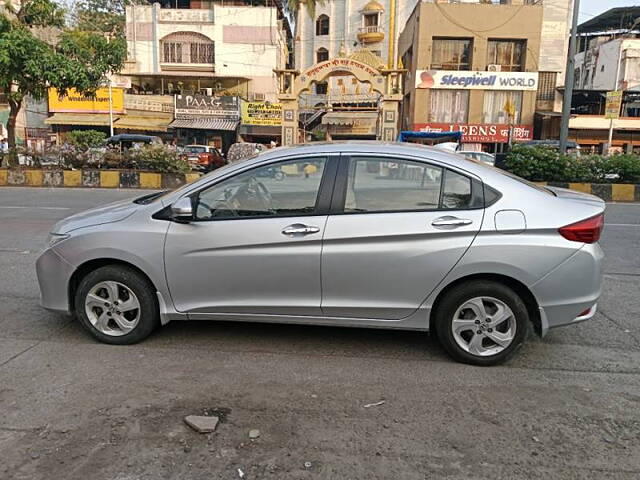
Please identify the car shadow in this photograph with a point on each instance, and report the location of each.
(297, 339)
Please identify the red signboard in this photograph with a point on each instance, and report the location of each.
(481, 132)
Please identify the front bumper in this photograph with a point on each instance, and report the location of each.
(54, 274)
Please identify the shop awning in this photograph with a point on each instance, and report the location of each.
(93, 119)
(205, 123)
(145, 123)
(347, 118)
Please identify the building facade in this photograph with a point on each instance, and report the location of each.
(475, 66)
(608, 59)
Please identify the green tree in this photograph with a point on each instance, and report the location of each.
(106, 16)
(38, 52)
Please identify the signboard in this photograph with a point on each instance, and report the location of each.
(360, 126)
(149, 103)
(480, 133)
(75, 102)
(262, 113)
(613, 104)
(205, 106)
(469, 80)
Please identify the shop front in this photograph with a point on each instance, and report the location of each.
(349, 125)
(206, 120)
(491, 109)
(75, 111)
(261, 123)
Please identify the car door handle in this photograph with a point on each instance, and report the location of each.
(451, 222)
(300, 229)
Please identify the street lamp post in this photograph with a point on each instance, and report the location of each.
(568, 79)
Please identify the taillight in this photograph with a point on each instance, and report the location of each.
(585, 231)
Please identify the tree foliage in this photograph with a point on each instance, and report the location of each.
(31, 63)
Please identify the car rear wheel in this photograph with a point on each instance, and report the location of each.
(482, 322)
(117, 305)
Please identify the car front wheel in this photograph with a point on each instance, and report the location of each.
(117, 305)
(482, 322)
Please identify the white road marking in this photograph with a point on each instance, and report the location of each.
(34, 207)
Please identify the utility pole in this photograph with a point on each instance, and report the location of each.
(568, 79)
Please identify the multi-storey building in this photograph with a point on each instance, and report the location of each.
(608, 59)
(475, 66)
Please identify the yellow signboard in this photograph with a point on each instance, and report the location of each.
(613, 104)
(262, 113)
(75, 102)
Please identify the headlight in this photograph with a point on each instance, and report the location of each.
(55, 238)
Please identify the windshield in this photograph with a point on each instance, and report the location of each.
(193, 149)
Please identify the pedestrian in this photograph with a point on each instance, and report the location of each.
(4, 150)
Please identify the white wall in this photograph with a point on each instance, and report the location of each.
(254, 61)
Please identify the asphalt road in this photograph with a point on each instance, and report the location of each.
(567, 407)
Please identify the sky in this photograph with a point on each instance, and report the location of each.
(592, 8)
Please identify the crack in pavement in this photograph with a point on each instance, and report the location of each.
(20, 353)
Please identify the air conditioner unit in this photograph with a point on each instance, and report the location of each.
(208, 91)
(494, 68)
(258, 97)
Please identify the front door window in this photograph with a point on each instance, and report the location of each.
(284, 189)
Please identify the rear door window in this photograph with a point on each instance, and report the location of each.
(400, 185)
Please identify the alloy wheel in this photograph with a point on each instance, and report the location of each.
(112, 308)
(484, 326)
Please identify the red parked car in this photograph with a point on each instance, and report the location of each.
(203, 158)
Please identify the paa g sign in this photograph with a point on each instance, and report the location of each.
(469, 80)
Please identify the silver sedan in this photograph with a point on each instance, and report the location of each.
(355, 234)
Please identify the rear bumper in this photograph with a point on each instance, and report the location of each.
(54, 274)
(570, 289)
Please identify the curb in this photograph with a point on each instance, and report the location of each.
(609, 192)
(94, 178)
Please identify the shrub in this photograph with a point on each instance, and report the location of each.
(545, 164)
(626, 167)
(85, 139)
(157, 157)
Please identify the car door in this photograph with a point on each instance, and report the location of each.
(254, 244)
(396, 228)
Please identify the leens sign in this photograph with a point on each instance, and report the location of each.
(480, 133)
(469, 80)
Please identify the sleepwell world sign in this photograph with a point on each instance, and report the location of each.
(470, 80)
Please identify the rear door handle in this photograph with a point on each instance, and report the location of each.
(451, 222)
(300, 229)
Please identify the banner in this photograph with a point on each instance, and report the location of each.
(469, 80)
(74, 102)
(262, 113)
(203, 105)
(480, 133)
(612, 105)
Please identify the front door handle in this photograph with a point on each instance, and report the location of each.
(451, 222)
(300, 229)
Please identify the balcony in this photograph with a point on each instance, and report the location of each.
(371, 34)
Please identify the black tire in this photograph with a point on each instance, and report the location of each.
(149, 318)
(460, 294)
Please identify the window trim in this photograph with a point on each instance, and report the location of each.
(342, 178)
(323, 198)
(469, 65)
(522, 41)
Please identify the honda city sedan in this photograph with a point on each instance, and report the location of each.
(355, 234)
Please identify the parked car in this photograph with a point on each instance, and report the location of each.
(128, 140)
(203, 158)
(485, 157)
(440, 243)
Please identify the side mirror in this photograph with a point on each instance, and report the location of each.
(182, 210)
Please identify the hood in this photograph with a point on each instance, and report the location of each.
(577, 196)
(113, 212)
